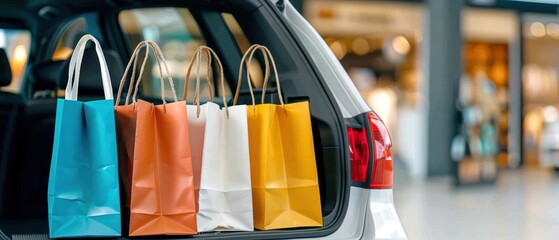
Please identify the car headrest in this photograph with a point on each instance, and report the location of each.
(90, 76)
(5, 70)
(45, 75)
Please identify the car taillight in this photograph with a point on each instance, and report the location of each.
(360, 153)
(381, 177)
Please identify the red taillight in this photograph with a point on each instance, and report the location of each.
(358, 153)
(381, 177)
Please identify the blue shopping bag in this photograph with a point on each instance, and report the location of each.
(83, 190)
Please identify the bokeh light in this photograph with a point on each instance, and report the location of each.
(339, 49)
(360, 46)
(537, 29)
(401, 45)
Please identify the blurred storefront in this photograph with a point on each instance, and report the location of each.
(541, 89)
(489, 35)
(379, 44)
(532, 125)
(507, 97)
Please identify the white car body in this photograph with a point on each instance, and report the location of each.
(379, 220)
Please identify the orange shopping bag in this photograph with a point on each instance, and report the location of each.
(162, 191)
(125, 117)
(285, 190)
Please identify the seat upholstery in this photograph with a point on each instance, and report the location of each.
(44, 77)
(11, 106)
(36, 141)
(90, 80)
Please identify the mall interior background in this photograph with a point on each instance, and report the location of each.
(407, 57)
(470, 92)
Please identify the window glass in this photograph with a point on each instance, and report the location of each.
(16, 43)
(177, 33)
(69, 39)
(256, 73)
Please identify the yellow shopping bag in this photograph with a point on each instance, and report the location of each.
(282, 160)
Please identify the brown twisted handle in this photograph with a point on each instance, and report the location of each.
(247, 60)
(197, 58)
(134, 59)
(209, 53)
(265, 51)
(160, 61)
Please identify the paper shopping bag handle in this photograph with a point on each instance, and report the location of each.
(71, 92)
(247, 61)
(265, 51)
(240, 78)
(197, 58)
(209, 53)
(160, 59)
(133, 59)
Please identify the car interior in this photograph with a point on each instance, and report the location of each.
(28, 116)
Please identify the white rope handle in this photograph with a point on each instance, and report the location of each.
(71, 92)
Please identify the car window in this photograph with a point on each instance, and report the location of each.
(69, 38)
(177, 33)
(256, 72)
(16, 43)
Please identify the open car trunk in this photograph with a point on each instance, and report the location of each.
(24, 209)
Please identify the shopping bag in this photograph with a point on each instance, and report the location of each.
(162, 194)
(225, 200)
(197, 117)
(83, 189)
(285, 188)
(125, 117)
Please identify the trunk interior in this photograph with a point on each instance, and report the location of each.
(23, 208)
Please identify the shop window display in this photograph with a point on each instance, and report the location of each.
(481, 145)
(483, 107)
(540, 81)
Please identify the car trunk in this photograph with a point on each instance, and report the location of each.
(261, 22)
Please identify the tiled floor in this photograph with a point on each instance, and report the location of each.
(523, 204)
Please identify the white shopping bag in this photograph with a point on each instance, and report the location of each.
(225, 187)
(225, 191)
(196, 116)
